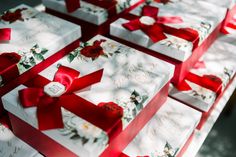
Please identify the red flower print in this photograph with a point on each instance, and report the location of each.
(12, 16)
(93, 51)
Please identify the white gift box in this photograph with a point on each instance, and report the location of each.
(226, 3)
(37, 36)
(166, 132)
(11, 146)
(128, 75)
(173, 47)
(218, 61)
(87, 11)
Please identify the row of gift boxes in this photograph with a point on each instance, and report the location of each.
(92, 51)
(181, 36)
(162, 135)
(134, 72)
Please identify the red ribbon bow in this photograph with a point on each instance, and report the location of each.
(5, 34)
(155, 27)
(106, 116)
(8, 66)
(210, 82)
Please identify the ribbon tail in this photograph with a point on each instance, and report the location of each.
(49, 114)
(183, 33)
(5, 34)
(155, 32)
(183, 86)
(231, 25)
(98, 116)
(85, 81)
(132, 25)
(72, 5)
(29, 97)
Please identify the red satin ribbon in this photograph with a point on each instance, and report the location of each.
(157, 31)
(72, 5)
(210, 82)
(5, 34)
(49, 108)
(231, 25)
(109, 5)
(8, 66)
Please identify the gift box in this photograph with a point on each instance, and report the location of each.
(183, 36)
(120, 89)
(210, 77)
(10, 145)
(29, 42)
(166, 133)
(230, 5)
(94, 16)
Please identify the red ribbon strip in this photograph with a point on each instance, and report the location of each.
(5, 34)
(8, 66)
(109, 5)
(106, 116)
(210, 82)
(72, 5)
(157, 30)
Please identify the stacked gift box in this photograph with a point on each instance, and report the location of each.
(32, 41)
(207, 81)
(109, 93)
(93, 16)
(172, 34)
(12, 146)
(165, 135)
(230, 5)
(126, 88)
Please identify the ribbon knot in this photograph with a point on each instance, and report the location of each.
(154, 26)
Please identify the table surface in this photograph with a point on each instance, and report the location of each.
(199, 135)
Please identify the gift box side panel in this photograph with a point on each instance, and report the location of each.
(115, 147)
(206, 115)
(38, 140)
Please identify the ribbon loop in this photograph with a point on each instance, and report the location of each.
(5, 34)
(30, 97)
(66, 76)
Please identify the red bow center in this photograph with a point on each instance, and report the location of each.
(147, 20)
(54, 89)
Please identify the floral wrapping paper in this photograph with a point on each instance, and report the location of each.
(226, 3)
(35, 36)
(200, 8)
(172, 46)
(11, 146)
(89, 12)
(130, 79)
(166, 133)
(219, 61)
